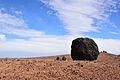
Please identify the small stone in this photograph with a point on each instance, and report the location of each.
(64, 58)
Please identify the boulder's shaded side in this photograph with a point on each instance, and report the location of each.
(84, 49)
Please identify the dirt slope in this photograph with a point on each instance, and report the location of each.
(106, 67)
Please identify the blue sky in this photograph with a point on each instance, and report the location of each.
(35, 14)
(47, 27)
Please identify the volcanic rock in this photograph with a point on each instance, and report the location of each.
(84, 49)
(64, 58)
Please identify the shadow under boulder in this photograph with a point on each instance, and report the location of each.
(84, 49)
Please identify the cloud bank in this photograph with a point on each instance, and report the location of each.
(50, 45)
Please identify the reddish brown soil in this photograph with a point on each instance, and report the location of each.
(106, 67)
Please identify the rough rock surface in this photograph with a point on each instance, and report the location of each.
(84, 49)
(106, 67)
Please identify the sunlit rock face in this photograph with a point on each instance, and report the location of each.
(84, 49)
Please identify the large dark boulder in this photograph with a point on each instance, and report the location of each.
(84, 49)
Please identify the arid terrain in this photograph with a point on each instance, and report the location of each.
(106, 67)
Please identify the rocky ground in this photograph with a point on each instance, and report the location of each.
(106, 67)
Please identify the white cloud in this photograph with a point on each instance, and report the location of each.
(18, 12)
(2, 37)
(110, 45)
(42, 46)
(78, 15)
(114, 33)
(14, 10)
(11, 20)
(21, 32)
(12, 25)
